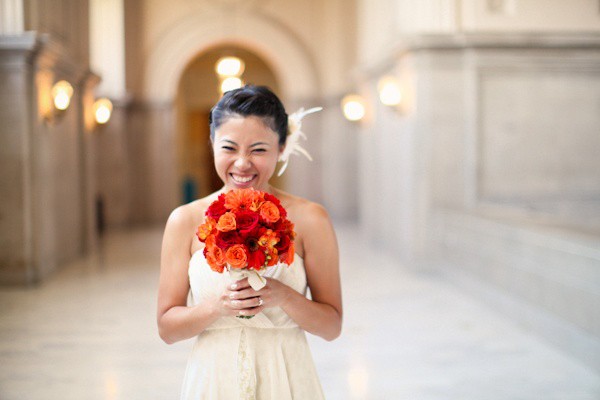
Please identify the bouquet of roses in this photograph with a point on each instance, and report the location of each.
(245, 231)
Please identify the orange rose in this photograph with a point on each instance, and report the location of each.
(235, 256)
(269, 212)
(215, 258)
(211, 241)
(205, 229)
(226, 222)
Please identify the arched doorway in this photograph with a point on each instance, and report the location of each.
(197, 92)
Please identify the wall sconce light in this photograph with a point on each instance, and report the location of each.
(102, 110)
(389, 90)
(230, 70)
(354, 107)
(231, 83)
(229, 66)
(62, 91)
(54, 100)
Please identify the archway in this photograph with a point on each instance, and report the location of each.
(197, 33)
(290, 60)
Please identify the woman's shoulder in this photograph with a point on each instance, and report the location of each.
(302, 210)
(314, 229)
(192, 213)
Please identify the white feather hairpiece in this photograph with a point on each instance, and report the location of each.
(292, 145)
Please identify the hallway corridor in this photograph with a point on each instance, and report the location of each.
(89, 332)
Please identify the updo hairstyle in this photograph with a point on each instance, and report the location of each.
(251, 100)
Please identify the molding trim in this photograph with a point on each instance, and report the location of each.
(468, 41)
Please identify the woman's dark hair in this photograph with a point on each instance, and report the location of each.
(251, 100)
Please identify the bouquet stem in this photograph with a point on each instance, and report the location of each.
(255, 280)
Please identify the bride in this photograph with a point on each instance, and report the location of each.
(267, 356)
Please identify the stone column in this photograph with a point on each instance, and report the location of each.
(16, 106)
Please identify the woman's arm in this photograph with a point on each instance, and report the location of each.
(175, 320)
(323, 315)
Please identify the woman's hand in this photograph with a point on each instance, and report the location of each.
(240, 299)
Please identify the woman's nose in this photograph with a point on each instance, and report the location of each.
(242, 163)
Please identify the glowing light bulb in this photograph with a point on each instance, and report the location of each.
(102, 110)
(61, 93)
(230, 84)
(230, 66)
(353, 107)
(389, 91)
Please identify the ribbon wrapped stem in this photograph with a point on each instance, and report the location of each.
(255, 280)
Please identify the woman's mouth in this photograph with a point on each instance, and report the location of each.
(242, 179)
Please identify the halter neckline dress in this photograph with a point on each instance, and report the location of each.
(265, 357)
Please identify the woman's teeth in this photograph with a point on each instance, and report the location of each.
(242, 179)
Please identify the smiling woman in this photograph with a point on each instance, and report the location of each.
(246, 153)
(266, 356)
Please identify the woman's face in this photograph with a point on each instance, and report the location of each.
(246, 153)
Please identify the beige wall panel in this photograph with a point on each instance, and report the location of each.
(530, 15)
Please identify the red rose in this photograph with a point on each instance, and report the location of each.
(217, 208)
(283, 244)
(271, 198)
(228, 239)
(246, 221)
(285, 228)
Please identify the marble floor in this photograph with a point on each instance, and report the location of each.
(89, 332)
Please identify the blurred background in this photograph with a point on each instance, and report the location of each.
(458, 154)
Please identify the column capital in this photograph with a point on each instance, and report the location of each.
(11, 17)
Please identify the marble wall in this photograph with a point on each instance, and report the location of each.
(487, 171)
(492, 173)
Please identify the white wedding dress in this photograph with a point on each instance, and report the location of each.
(262, 358)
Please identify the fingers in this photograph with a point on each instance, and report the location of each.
(240, 299)
(243, 294)
(247, 303)
(239, 285)
(248, 307)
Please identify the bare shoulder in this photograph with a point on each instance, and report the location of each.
(185, 219)
(311, 220)
(301, 210)
(193, 212)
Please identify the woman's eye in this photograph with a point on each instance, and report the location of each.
(229, 148)
(259, 150)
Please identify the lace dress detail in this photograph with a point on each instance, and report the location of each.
(265, 357)
(247, 383)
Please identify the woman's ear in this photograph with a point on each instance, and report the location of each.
(281, 148)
